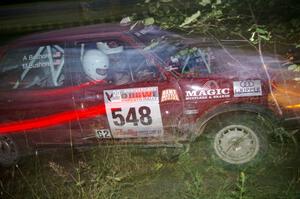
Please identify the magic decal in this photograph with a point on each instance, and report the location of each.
(209, 90)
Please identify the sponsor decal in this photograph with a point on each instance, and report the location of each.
(169, 95)
(133, 112)
(57, 62)
(103, 133)
(209, 90)
(247, 88)
(128, 95)
(45, 56)
(57, 54)
(36, 65)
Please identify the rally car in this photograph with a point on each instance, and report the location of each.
(112, 84)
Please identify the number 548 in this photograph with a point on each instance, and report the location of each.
(131, 117)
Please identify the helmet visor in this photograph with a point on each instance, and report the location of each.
(100, 71)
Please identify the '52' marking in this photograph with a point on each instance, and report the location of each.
(144, 116)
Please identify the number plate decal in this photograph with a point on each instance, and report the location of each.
(104, 133)
(133, 112)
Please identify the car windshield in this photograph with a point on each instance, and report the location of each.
(179, 54)
(202, 55)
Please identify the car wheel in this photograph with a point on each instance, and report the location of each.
(239, 139)
(9, 153)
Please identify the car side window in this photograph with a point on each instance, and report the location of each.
(33, 67)
(113, 61)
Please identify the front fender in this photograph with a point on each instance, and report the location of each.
(203, 120)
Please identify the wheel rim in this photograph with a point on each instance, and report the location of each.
(8, 151)
(236, 144)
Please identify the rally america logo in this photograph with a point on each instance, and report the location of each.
(209, 90)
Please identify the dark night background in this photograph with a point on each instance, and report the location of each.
(134, 173)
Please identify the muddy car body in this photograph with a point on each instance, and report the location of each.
(174, 88)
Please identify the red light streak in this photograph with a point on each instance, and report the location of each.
(67, 89)
(51, 120)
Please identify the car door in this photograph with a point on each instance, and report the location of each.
(34, 93)
(136, 102)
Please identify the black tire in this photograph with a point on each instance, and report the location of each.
(9, 153)
(239, 139)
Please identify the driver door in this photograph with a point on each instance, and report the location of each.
(137, 102)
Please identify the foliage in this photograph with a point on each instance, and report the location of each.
(229, 16)
(194, 187)
(241, 187)
(185, 15)
(259, 34)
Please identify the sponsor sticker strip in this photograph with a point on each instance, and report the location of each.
(133, 112)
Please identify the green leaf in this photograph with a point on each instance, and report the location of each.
(157, 5)
(205, 2)
(292, 67)
(149, 21)
(243, 177)
(158, 166)
(297, 45)
(80, 183)
(219, 12)
(126, 20)
(253, 37)
(166, 1)
(261, 31)
(190, 19)
(152, 9)
(264, 37)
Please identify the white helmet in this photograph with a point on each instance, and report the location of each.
(104, 47)
(95, 64)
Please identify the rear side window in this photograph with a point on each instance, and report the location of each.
(33, 67)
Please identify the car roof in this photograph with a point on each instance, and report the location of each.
(68, 33)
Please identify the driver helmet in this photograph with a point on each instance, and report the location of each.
(95, 64)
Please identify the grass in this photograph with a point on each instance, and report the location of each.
(118, 172)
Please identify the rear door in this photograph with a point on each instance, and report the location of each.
(34, 93)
